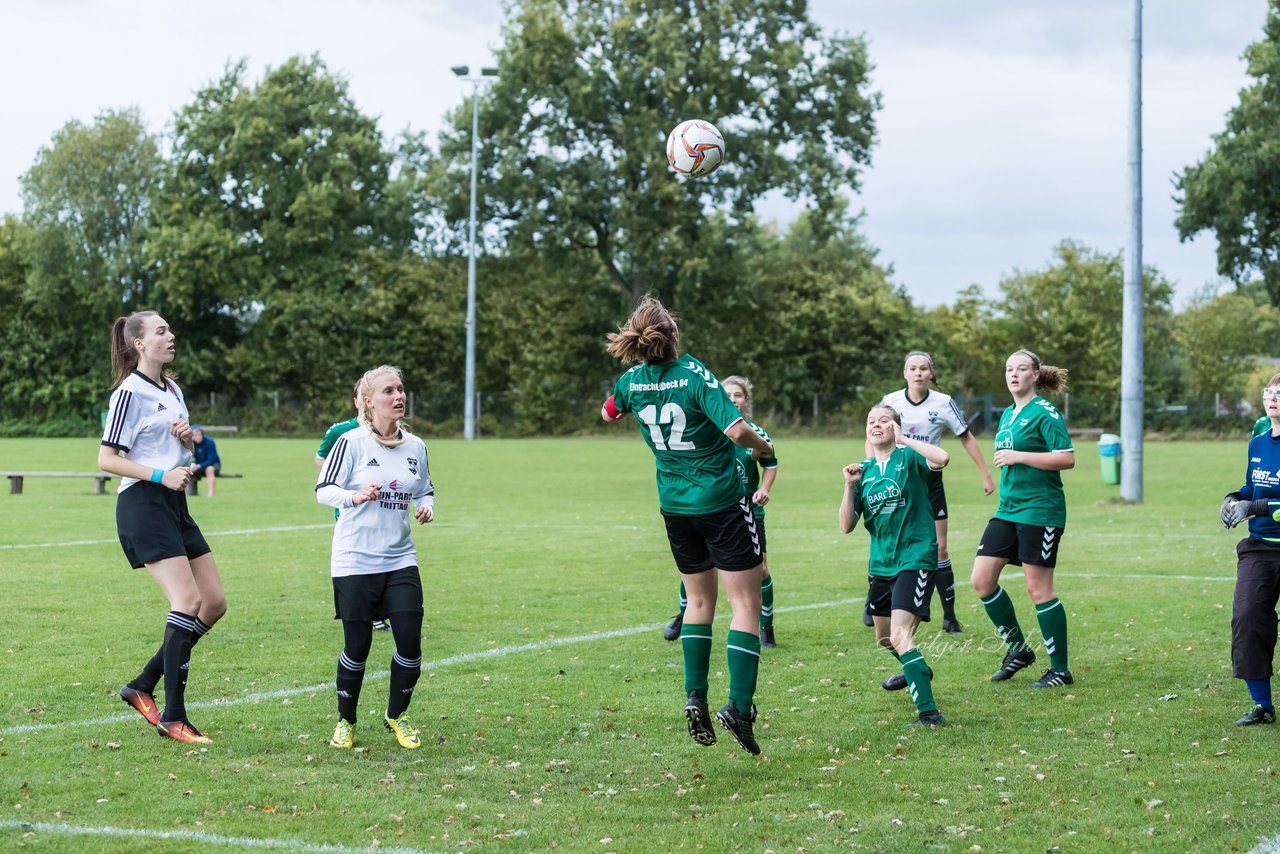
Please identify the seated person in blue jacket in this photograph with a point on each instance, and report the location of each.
(207, 464)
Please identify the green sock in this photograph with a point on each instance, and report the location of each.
(1000, 609)
(919, 680)
(684, 599)
(1053, 625)
(894, 653)
(744, 664)
(766, 601)
(696, 642)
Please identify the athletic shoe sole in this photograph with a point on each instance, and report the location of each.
(699, 727)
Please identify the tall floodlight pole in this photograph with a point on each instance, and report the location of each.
(1131, 379)
(469, 390)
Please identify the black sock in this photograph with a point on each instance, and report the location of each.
(406, 661)
(946, 585)
(357, 638)
(350, 678)
(153, 670)
(178, 631)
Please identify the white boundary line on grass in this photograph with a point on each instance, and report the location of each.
(536, 646)
(328, 526)
(196, 836)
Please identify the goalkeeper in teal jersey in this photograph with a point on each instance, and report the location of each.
(760, 477)
(691, 426)
(1032, 447)
(1253, 607)
(890, 493)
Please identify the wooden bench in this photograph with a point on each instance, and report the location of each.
(1082, 432)
(230, 430)
(16, 477)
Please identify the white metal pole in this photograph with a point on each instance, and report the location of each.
(1132, 382)
(469, 404)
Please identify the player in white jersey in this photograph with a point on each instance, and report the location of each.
(925, 411)
(373, 474)
(147, 443)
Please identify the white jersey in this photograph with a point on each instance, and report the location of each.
(924, 420)
(374, 536)
(139, 418)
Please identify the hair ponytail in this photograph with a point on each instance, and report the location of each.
(648, 336)
(1052, 378)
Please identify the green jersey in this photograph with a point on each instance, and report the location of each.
(331, 438)
(1029, 495)
(893, 500)
(683, 411)
(753, 467)
(1262, 425)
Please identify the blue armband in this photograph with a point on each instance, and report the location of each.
(157, 476)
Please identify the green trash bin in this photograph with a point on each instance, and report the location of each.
(1109, 453)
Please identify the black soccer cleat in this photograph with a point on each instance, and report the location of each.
(699, 718)
(671, 631)
(1013, 662)
(767, 639)
(867, 619)
(929, 719)
(1053, 679)
(952, 626)
(896, 682)
(740, 726)
(1258, 715)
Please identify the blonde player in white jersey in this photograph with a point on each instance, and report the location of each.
(373, 474)
(925, 411)
(147, 443)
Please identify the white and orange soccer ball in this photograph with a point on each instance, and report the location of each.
(695, 148)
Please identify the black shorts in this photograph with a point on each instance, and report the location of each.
(937, 496)
(909, 590)
(1021, 544)
(153, 523)
(365, 598)
(728, 539)
(760, 530)
(199, 473)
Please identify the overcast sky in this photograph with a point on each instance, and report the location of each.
(1004, 128)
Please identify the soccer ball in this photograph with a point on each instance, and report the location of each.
(695, 148)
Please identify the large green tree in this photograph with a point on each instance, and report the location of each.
(1234, 191)
(87, 209)
(574, 129)
(1070, 314)
(1219, 336)
(284, 215)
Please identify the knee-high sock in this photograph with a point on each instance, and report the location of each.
(179, 629)
(919, 680)
(766, 601)
(1052, 616)
(406, 662)
(999, 608)
(945, 582)
(357, 637)
(153, 670)
(695, 641)
(743, 651)
(1260, 691)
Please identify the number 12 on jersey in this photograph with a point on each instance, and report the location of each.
(671, 414)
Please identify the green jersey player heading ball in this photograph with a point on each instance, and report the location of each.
(691, 426)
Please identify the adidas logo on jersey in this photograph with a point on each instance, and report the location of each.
(160, 408)
(373, 463)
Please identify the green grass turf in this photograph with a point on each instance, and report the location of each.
(577, 741)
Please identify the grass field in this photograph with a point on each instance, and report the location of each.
(551, 706)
